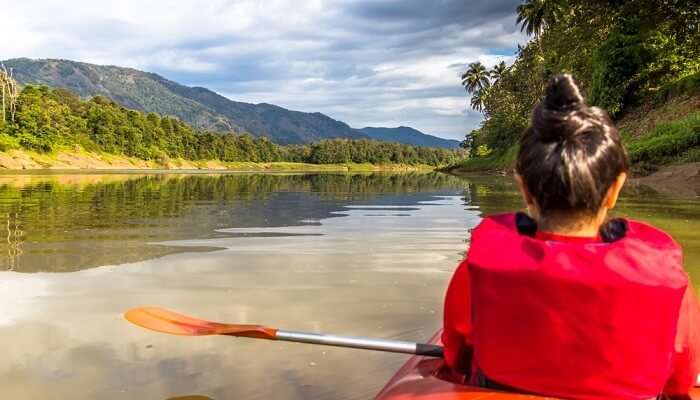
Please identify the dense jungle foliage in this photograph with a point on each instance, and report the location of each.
(623, 53)
(46, 119)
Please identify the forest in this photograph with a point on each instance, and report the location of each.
(625, 55)
(43, 119)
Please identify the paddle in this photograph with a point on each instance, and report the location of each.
(165, 321)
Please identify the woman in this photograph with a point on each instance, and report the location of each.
(559, 302)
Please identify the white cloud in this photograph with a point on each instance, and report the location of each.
(366, 62)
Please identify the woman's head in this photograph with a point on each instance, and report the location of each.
(571, 159)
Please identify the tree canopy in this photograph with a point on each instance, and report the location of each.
(623, 53)
(49, 119)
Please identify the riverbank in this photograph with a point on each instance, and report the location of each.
(677, 180)
(681, 180)
(498, 162)
(661, 138)
(78, 159)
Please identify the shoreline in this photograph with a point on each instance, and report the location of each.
(675, 179)
(80, 161)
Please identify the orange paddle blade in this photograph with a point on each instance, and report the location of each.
(162, 320)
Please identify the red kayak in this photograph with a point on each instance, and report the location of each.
(417, 379)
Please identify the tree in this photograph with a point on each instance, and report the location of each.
(48, 119)
(476, 77)
(467, 143)
(9, 93)
(537, 15)
(497, 71)
(478, 100)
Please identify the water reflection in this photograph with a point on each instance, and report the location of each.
(332, 261)
(64, 223)
(365, 255)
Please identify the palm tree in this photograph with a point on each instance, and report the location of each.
(478, 100)
(476, 77)
(537, 15)
(497, 71)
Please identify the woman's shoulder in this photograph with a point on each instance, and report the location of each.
(504, 225)
(649, 234)
(495, 234)
(504, 221)
(643, 252)
(510, 223)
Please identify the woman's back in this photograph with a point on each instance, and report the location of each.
(575, 317)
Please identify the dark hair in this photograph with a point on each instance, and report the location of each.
(571, 154)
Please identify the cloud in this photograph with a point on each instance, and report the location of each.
(366, 62)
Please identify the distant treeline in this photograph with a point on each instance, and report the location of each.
(46, 119)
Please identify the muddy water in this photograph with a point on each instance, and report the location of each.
(353, 254)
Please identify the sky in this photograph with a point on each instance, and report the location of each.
(364, 62)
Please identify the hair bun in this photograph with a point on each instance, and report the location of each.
(562, 94)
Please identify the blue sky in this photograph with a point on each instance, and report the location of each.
(365, 62)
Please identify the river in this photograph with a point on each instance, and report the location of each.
(364, 254)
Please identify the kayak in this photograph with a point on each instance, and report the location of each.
(417, 379)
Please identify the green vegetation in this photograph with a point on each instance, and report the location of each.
(48, 120)
(495, 161)
(199, 107)
(671, 141)
(624, 54)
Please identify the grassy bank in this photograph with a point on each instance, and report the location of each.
(79, 159)
(495, 162)
(675, 142)
(655, 136)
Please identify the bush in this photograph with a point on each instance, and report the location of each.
(503, 130)
(8, 142)
(668, 143)
(36, 143)
(616, 63)
(689, 84)
(501, 160)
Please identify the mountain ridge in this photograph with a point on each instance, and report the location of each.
(412, 135)
(199, 106)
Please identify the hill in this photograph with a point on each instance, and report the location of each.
(55, 122)
(198, 106)
(407, 135)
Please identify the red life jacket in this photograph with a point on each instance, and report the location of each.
(572, 317)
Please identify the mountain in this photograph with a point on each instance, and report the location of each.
(408, 135)
(198, 106)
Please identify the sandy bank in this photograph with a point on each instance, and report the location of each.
(22, 160)
(677, 180)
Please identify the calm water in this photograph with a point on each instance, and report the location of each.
(362, 255)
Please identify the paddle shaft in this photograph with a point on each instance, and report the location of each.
(393, 346)
(166, 321)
